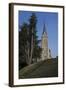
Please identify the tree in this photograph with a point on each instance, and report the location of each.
(32, 27)
(29, 48)
(23, 48)
(35, 49)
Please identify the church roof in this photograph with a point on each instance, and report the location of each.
(44, 29)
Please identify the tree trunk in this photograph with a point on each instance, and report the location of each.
(31, 52)
(28, 49)
(28, 57)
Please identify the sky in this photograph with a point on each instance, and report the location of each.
(50, 19)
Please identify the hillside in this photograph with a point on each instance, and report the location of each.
(47, 68)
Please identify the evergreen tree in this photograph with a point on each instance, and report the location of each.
(35, 49)
(29, 48)
(23, 56)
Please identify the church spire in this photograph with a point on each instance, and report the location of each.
(44, 28)
(44, 33)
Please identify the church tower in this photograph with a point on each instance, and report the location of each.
(44, 44)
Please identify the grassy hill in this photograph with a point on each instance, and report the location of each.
(47, 68)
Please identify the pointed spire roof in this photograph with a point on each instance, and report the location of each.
(44, 29)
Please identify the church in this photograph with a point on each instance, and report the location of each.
(46, 52)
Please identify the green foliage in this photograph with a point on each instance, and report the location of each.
(22, 45)
(36, 48)
(29, 48)
(33, 20)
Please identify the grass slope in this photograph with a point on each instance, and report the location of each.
(47, 68)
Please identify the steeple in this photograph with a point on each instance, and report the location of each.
(46, 53)
(44, 44)
(44, 34)
(44, 29)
